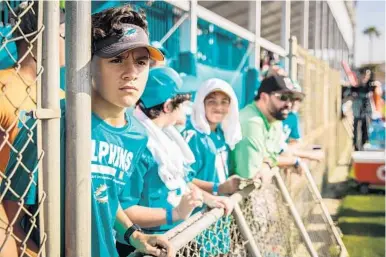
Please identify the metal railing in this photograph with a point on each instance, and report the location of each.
(266, 221)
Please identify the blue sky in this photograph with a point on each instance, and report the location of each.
(370, 13)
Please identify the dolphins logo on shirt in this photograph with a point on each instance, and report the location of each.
(101, 194)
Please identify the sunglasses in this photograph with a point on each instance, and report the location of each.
(284, 97)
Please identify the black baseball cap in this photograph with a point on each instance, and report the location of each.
(277, 83)
(133, 37)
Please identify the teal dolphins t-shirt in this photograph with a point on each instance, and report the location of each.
(115, 153)
(150, 191)
(212, 165)
(211, 154)
(291, 127)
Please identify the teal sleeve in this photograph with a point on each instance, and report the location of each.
(295, 129)
(192, 138)
(132, 191)
(248, 154)
(21, 172)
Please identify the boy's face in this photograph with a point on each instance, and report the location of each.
(121, 80)
(216, 107)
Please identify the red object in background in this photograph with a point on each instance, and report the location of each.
(369, 167)
(350, 74)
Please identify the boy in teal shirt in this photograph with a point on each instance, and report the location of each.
(119, 68)
(163, 196)
(211, 132)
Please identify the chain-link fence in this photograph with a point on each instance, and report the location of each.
(29, 100)
(20, 222)
(266, 222)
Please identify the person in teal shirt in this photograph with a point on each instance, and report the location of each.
(211, 132)
(163, 195)
(291, 125)
(119, 68)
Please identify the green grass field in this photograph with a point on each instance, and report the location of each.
(362, 221)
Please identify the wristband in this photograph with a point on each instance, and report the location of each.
(169, 216)
(297, 161)
(130, 231)
(215, 188)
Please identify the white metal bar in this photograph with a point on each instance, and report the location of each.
(188, 230)
(242, 63)
(78, 129)
(306, 19)
(222, 22)
(340, 14)
(285, 28)
(181, 4)
(272, 47)
(51, 128)
(254, 25)
(193, 12)
(174, 28)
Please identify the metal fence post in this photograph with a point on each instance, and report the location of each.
(78, 129)
(51, 127)
(39, 69)
(253, 250)
(295, 214)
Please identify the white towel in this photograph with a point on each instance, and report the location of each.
(230, 125)
(169, 150)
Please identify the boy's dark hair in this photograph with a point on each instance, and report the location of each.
(109, 22)
(155, 111)
(28, 22)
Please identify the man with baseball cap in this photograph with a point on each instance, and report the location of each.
(119, 71)
(261, 125)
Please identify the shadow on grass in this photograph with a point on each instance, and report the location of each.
(342, 189)
(354, 213)
(362, 229)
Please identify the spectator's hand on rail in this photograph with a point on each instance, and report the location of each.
(230, 186)
(264, 177)
(188, 203)
(300, 167)
(220, 202)
(152, 244)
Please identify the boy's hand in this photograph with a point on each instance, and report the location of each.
(152, 244)
(230, 186)
(188, 203)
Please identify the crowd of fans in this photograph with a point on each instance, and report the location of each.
(147, 175)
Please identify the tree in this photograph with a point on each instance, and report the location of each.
(371, 32)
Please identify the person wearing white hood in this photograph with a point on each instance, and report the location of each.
(162, 195)
(212, 131)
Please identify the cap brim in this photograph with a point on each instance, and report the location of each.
(298, 95)
(119, 48)
(220, 91)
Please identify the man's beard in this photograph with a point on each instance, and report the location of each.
(276, 113)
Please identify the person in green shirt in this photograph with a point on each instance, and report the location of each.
(261, 126)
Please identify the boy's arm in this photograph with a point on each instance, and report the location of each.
(150, 244)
